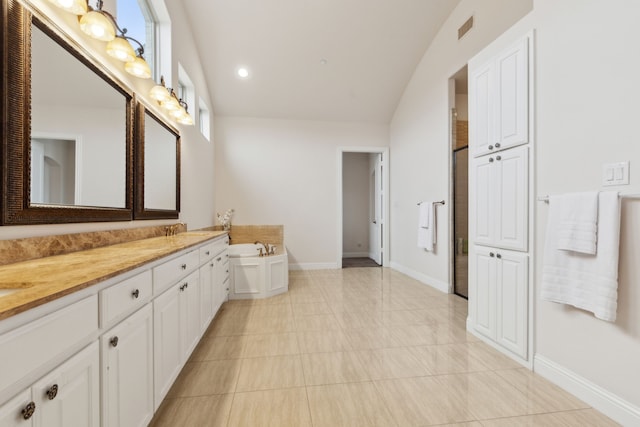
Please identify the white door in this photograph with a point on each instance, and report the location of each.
(207, 294)
(376, 202)
(166, 341)
(127, 371)
(511, 295)
(481, 110)
(70, 395)
(482, 200)
(191, 305)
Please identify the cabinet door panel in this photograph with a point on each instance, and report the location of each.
(191, 305)
(512, 102)
(207, 294)
(127, 371)
(481, 110)
(166, 342)
(512, 302)
(511, 199)
(485, 292)
(70, 395)
(483, 199)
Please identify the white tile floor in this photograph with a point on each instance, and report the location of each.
(358, 347)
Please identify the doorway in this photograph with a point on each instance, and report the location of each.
(362, 207)
(460, 183)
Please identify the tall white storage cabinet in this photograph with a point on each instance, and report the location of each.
(500, 139)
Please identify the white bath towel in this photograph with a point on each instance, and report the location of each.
(426, 226)
(589, 282)
(577, 230)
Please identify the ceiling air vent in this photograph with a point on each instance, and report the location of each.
(464, 29)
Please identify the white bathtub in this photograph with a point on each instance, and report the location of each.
(253, 276)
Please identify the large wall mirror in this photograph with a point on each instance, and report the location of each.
(157, 165)
(67, 144)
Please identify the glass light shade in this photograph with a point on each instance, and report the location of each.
(176, 114)
(159, 93)
(139, 68)
(120, 49)
(77, 7)
(95, 24)
(170, 104)
(186, 120)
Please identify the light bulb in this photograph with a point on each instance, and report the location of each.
(186, 119)
(77, 7)
(170, 104)
(159, 93)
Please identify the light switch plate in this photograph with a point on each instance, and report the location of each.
(615, 173)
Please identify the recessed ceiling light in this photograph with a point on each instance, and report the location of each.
(243, 73)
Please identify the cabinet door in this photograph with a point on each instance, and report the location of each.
(208, 295)
(222, 277)
(511, 188)
(481, 112)
(11, 413)
(127, 371)
(512, 101)
(70, 395)
(483, 200)
(190, 314)
(512, 300)
(484, 276)
(166, 341)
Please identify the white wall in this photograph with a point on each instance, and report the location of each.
(285, 172)
(197, 201)
(587, 107)
(420, 145)
(355, 205)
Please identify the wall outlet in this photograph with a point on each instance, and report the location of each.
(615, 173)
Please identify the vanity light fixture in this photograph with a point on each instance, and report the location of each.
(77, 7)
(101, 25)
(169, 102)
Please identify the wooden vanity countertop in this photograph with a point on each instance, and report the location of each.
(42, 280)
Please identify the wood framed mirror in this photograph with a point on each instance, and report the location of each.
(67, 137)
(157, 156)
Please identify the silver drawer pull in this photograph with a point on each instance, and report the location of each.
(183, 266)
(136, 293)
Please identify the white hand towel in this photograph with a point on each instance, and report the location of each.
(589, 282)
(427, 226)
(579, 221)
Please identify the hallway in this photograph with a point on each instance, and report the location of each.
(358, 347)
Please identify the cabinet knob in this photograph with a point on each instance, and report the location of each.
(184, 286)
(207, 253)
(490, 159)
(211, 265)
(219, 259)
(227, 289)
(491, 254)
(135, 294)
(498, 158)
(114, 342)
(27, 411)
(227, 271)
(497, 145)
(491, 147)
(498, 256)
(52, 392)
(183, 266)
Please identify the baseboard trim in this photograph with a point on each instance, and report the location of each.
(603, 400)
(314, 266)
(423, 278)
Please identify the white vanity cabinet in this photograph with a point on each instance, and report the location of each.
(68, 396)
(127, 371)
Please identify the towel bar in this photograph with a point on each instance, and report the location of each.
(624, 196)
(441, 202)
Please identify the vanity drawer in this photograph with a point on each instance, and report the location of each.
(168, 273)
(125, 297)
(29, 347)
(212, 249)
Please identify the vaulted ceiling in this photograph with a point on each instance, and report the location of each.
(343, 60)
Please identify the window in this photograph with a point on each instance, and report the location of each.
(139, 20)
(205, 124)
(185, 89)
